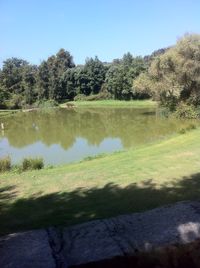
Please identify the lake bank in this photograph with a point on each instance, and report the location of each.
(163, 172)
(113, 103)
(7, 112)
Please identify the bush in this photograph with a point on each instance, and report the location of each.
(3, 106)
(100, 96)
(47, 104)
(16, 102)
(184, 110)
(80, 97)
(188, 128)
(5, 164)
(32, 163)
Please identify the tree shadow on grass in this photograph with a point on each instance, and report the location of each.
(68, 208)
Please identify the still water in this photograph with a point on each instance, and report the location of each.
(63, 136)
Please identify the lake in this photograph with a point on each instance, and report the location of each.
(68, 135)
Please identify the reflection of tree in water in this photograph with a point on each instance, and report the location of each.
(59, 126)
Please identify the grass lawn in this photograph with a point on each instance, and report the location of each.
(114, 103)
(124, 182)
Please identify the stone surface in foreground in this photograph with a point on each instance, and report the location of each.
(26, 250)
(102, 239)
(128, 234)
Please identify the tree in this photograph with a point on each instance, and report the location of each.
(115, 81)
(93, 74)
(17, 82)
(127, 59)
(174, 77)
(43, 81)
(12, 75)
(29, 83)
(119, 78)
(70, 83)
(50, 72)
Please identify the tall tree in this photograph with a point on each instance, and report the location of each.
(29, 83)
(119, 78)
(50, 84)
(174, 77)
(12, 75)
(93, 75)
(43, 81)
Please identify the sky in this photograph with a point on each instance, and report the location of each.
(36, 29)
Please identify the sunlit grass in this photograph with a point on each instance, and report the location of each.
(114, 103)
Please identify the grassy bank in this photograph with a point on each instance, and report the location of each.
(7, 112)
(113, 103)
(125, 182)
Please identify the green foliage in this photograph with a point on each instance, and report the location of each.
(119, 77)
(51, 75)
(43, 81)
(173, 77)
(94, 74)
(89, 158)
(17, 83)
(12, 75)
(70, 82)
(188, 128)
(15, 102)
(32, 163)
(57, 78)
(5, 164)
(80, 97)
(184, 110)
(46, 104)
(100, 96)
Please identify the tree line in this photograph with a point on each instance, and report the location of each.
(59, 79)
(169, 75)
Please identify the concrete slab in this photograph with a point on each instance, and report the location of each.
(128, 234)
(89, 242)
(26, 250)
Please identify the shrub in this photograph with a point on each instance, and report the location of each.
(80, 97)
(42, 104)
(191, 127)
(3, 105)
(182, 131)
(184, 110)
(102, 95)
(32, 163)
(188, 128)
(5, 164)
(16, 102)
(47, 104)
(99, 96)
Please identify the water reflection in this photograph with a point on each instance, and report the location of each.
(62, 136)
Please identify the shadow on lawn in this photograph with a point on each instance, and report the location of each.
(67, 208)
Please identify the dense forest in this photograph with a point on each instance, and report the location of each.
(58, 78)
(170, 76)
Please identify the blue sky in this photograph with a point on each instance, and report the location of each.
(36, 29)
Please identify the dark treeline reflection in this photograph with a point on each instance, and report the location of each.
(62, 126)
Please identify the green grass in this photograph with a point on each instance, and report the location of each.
(114, 103)
(123, 182)
(7, 112)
